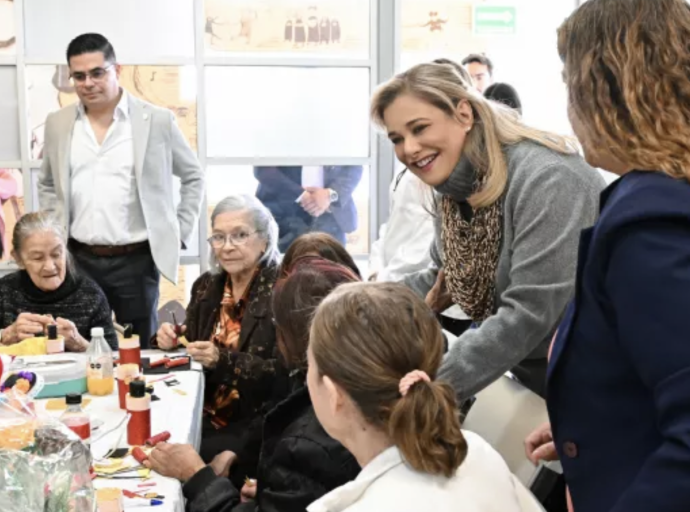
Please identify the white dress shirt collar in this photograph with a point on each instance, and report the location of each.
(121, 109)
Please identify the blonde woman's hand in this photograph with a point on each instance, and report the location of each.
(439, 298)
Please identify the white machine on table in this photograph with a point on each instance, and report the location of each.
(60, 374)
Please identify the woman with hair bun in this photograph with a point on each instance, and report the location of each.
(372, 387)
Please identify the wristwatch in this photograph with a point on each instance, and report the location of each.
(333, 195)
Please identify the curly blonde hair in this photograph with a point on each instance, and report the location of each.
(497, 126)
(626, 66)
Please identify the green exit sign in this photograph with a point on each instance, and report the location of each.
(494, 19)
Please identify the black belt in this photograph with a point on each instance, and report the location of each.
(109, 251)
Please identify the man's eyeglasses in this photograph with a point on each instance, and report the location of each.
(218, 241)
(96, 74)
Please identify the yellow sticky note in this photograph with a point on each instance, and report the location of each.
(144, 473)
(59, 404)
(115, 466)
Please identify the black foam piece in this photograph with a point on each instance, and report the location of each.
(162, 370)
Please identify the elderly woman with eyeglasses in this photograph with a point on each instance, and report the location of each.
(229, 323)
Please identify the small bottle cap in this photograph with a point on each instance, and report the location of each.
(52, 332)
(96, 331)
(128, 331)
(137, 389)
(73, 399)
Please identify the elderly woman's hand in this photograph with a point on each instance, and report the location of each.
(73, 340)
(26, 326)
(204, 352)
(166, 337)
(178, 461)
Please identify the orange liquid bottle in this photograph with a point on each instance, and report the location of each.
(100, 378)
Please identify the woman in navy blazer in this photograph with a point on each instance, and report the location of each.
(619, 374)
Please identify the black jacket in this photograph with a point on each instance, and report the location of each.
(251, 370)
(299, 464)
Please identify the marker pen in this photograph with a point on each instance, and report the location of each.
(141, 502)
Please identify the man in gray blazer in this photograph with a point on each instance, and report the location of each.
(108, 167)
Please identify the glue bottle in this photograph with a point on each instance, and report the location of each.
(139, 407)
(54, 344)
(76, 419)
(130, 348)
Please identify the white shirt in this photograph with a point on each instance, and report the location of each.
(105, 208)
(312, 176)
(404, 241)
(609, 177)
(483, 483)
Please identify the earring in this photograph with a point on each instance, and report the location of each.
(469, 128)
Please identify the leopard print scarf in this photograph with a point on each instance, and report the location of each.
(471, 251)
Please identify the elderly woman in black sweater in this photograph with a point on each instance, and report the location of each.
(46, 290)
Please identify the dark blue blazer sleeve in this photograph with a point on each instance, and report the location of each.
(273, 182)
(344, 180)
(648, 282)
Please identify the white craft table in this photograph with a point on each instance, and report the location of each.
(178, 414)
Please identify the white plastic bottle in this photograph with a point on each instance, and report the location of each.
(100, 378)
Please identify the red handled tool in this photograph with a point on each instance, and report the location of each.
(172, 363)
(139, 455)
(160, 362)
(158, 438)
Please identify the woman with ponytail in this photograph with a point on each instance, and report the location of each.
(374, 352)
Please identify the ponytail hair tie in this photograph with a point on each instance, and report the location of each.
(411, 379)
